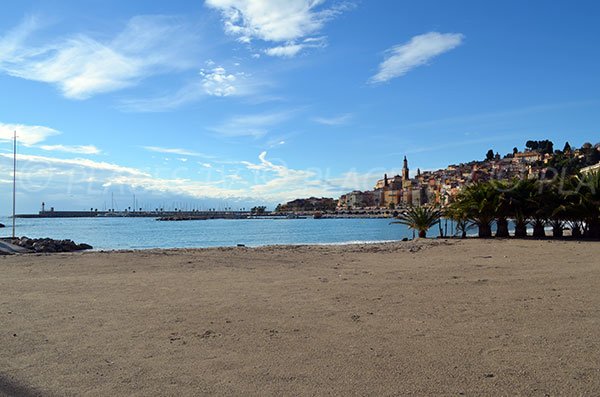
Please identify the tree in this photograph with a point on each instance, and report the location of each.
(502, 208)
(567, 148)
(420, 218)
(532, 145)
(489, 155)
(520, 204)
(479, 202)
(258, 210)
(588, 189)
(459, 216)
(544, 147)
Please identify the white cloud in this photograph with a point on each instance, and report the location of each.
(218, 82)
(78, 163)
(418, 51)
(212, 82)
(82, 66)
(78, 149)
(334, 121)
(276, 21)
(186, 94)
(178, 151)
(251, 125)
(291, 49)
(286, 184)
(26, 134)
(272, 182)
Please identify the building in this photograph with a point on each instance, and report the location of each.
(590, 169)
(358, 199)
(527, 157)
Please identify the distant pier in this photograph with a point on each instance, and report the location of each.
(140, 214)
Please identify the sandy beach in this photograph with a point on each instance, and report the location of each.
(435, 317)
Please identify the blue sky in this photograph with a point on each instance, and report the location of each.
(239, 102)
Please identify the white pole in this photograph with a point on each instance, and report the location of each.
(14, 182)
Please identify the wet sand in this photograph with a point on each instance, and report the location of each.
(497, 317)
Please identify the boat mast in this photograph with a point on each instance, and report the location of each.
(14, 182)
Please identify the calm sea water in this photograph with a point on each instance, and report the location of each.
(142, 233)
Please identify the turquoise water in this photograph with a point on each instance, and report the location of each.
(143, 233)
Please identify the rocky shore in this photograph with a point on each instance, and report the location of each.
(49, 245)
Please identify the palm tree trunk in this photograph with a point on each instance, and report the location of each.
(557, 230)
(576, 230)
(485, 230)
(422, 233)
(520, 229)
(592, 230)
(538, 230)
(501, 228)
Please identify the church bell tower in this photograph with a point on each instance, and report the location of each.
(405, 175)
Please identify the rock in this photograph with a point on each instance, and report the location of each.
(50, 245)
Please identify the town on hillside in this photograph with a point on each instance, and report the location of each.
(538, 160)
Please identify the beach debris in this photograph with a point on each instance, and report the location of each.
(49, 245)
(355, 317)
(209, 333)
(488, 375)
(241, 245)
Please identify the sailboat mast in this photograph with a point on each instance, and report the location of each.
(14, 182)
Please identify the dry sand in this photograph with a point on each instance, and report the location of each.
(424, 318)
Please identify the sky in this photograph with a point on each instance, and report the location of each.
(235, 103)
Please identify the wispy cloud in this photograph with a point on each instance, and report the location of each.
(266, 180)
(82, 66)
(289, 22)
(215, 82)
(256, 125)
(287, 183)
(27, 134)
(335, 120)
(78, 163)
(176, 151)
(291, 49)
(77, 149)
(510, 114)
(402, 58)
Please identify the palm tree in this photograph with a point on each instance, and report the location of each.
(541, 208)
(556, 207)
(589, 202)
(457, 214)
(479, 202)
(502, 207)
(520, 204)
(420, 218)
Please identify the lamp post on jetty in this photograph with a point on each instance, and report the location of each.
(14, 182)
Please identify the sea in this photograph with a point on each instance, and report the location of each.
(145, 233)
